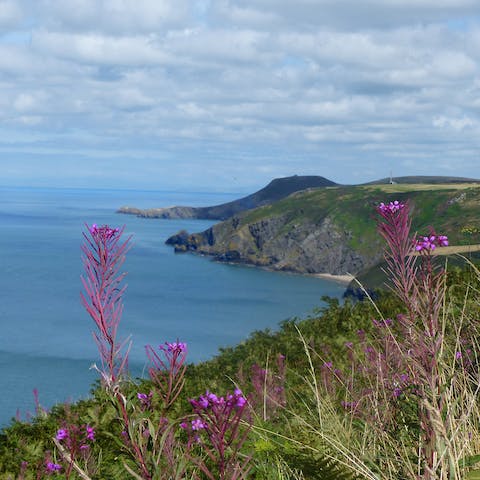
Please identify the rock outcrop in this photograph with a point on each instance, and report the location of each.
(303, 248)
(167, 212)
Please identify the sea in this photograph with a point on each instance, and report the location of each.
(46, 341)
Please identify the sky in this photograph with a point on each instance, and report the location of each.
(225, 95)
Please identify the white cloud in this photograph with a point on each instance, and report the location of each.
(457, 124)
(267, 86)
(99, 49)
(24, 102)
(346, 14)
(10, 14)
(112, 16)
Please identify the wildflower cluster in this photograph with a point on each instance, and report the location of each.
(52, 467)
(167, 370)
(394, 226)
(176, 347)
(391, 207)
(74, 443)
(399, 375)
(431, 242)
(211, 401)
(104, 232)
(269, 387)
(76, 438)
(385, 322)
(219, 420)
(145, 400)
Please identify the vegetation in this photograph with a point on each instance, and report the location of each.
(454, 208)
(383, 389)
(332, 229)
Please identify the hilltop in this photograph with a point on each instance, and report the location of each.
(332, 230)
(276, 190)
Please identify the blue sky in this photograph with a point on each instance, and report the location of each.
(228, 94)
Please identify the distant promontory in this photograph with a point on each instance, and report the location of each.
(274, 191)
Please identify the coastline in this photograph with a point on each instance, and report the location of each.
(343, 279)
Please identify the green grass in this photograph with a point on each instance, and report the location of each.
(439, 206)
(420, 187)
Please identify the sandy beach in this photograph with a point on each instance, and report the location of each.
(345, 279)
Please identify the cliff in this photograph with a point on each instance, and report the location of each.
(276, 190)
(332, 230)
(306, 247)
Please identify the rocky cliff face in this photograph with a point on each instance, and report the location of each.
(328, 230)
(332, 230)
(278, 244)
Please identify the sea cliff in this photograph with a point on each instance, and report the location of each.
(332, 230)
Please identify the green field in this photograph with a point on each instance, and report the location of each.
(420, 187)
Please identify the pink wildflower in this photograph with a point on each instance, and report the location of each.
(391, 207)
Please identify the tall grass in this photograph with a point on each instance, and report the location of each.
(406, 404)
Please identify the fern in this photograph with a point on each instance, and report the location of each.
(316, 466)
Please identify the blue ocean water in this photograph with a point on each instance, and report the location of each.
(45, 335)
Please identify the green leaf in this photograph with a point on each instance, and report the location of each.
(469, 461)
(473, 475)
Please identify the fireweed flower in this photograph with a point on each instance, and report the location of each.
(176, 347)
(62, 434)
(417, 345)
(213, 398)
(103, 256)
(104, 232)
(74, 437)
(391, 207)
(431, 242)
(53, 467)
(145, 400)
(197, 424)
(90, 433)
(211, 401)
(240, 400)
(382, 323)
(397, 391)
(167, 370)
(219, 423)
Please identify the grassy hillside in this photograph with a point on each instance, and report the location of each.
(452, 208)
(331, 230)
(360, 390)
(287, 441)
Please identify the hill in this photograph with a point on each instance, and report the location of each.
(276, 190)
(332, 230)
